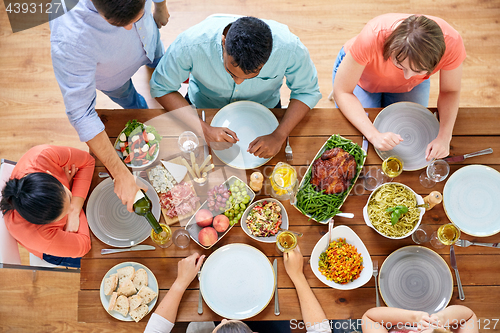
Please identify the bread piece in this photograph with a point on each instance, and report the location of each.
(140, 278)
(112, 301)
(122, 305)
(139, 312)
(134, 302)
(125, 272)
(147, 294)
(126, 288)
(110, 284)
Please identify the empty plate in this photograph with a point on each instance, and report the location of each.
(470, 199)
(237, 281)
(248, 120)
(416, 125)
(416, 278)
(112, 223)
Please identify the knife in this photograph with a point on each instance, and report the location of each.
(453, 262)
(276, 300)
(463, 157)
(133, 248)
(205, 147)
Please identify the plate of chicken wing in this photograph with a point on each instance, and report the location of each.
(329, 179)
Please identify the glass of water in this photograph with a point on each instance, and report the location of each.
(436, 171)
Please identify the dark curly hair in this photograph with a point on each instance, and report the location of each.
(119, 12)
(249, 42)
(38, 197)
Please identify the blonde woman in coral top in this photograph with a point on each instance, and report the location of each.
(391, 61)
(42, 203)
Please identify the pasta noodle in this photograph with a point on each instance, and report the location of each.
(390, 195)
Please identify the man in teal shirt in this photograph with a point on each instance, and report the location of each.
(229, 59)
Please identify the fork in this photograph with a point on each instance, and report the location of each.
(288, 150)
(466, 243)
(375, 274)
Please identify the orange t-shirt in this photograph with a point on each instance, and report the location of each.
(383, 76)
(51, 238)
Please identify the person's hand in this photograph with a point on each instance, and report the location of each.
(161, 14)
(265, 146)
(438, 148)
(188, 268)
(126, 188)
(294, 263)
(386, 141)
(73, 222)
(70, 173)
(219, 138)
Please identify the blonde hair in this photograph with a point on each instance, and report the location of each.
(419, 39)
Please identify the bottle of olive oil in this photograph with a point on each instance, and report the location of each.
(142, 207)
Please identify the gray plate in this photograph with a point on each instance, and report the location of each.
(416, 125)
(112, 223)
(416, 278)
(271, 239)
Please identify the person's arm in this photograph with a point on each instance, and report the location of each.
(380, 319)
(348, 75)
(187, 269)
(125, 185)
(311, 310)
(160, 13)
(447, 104)
(460, 319)
(302, 80)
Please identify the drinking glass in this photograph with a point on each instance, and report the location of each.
(164, 238)
(422, 234)
(392, 167)
(447, 234)
(181, 238)
(286, 241)
(436, 171)
(188, 142)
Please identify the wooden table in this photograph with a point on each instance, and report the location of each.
(475, 129)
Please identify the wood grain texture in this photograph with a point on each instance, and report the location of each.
(32, 112)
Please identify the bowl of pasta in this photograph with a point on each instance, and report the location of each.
(392, 210)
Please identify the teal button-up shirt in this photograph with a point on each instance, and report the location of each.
(197, 54)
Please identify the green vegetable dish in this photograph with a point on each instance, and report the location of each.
(318, 205)
(138, 144)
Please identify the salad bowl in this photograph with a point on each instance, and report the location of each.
(270, 239)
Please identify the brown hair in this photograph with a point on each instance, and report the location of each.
(234, 327)
(441, 330)
(419, 39)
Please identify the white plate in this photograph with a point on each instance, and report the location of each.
(352, 238)
(237, 281)
(271, 239)
(470, 199)
(416, 125)
(416, 278)
(112, 223)
(248, 120)
(420, 201)
(152, 283)
(116, 145)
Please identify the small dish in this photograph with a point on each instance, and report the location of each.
(150, 154)
(152, 283)
(194, 229)
(271, 239)
(352, 238)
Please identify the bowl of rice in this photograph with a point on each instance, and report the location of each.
(390, 195)
(344, 263)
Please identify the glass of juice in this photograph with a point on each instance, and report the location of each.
(164, 238)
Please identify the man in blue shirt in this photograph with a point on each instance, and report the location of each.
(100, 44)
(228, 59)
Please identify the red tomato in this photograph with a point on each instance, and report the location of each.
(141, 156)
(152, 150)
(128, 158)
(145, 136)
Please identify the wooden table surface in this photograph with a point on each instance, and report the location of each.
(475, 129)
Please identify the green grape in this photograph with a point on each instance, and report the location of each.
(246, 200)
(242, 205)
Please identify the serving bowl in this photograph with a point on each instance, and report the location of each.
(271, 239)
(419, 199)
(352, 238)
